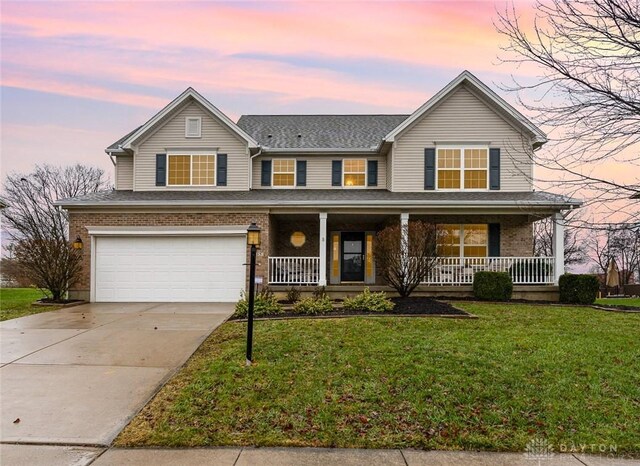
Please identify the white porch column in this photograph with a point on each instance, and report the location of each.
(404, 231)
(558, 245)
(322, 281)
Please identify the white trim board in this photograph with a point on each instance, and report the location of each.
(232, 230)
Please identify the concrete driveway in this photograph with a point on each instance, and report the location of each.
(76, 376)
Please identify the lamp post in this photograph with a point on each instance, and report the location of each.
(253, 240)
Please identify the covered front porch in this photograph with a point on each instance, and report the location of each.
(337, 249)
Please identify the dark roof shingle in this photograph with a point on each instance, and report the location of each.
(311, 197)
(319, 131)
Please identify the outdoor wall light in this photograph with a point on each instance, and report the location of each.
(298, 239)
(77, 244)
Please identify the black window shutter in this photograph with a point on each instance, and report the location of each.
(494, 169)
(494, 240)
(336, 173)
(372, 172)
(301, 172)
(221, 170)
(430, 168)
(161, 169)
(266, 173)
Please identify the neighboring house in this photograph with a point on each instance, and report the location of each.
(189, 182)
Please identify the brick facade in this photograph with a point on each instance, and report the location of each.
(516, 231)
(516, 239)
(78, 223)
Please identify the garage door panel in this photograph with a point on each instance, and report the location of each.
(169, 269)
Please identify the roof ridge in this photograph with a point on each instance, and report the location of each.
(327, 114)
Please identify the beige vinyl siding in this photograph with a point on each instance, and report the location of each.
(319, 169)
(462, 117)
(124, 172)
(389, 178)
(171, 135)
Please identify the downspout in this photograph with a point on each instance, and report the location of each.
(251, 167)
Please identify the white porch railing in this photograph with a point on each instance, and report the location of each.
(294, 270)
(523, 270)
(447, 270)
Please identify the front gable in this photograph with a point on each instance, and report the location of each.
(170, 135)
(463, 117)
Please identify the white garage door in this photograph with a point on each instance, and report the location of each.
(169, 269)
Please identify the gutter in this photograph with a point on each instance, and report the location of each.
(319, 150)
(336, 203)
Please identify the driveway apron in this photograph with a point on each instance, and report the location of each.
(78, 375)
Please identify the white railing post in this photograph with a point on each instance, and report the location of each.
(322, 279)
(558, 245)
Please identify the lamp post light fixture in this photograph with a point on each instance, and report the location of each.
(253, 240)
(77, 244)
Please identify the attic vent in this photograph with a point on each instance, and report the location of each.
(193, 127)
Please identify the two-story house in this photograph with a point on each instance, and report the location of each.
(189, 181)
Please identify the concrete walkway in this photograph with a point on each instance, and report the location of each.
(53, 456)
(77, 376)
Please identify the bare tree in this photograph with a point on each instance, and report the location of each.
(574, 247)
(621, 243)
(39, 229)
(587, 92)
(405, 257)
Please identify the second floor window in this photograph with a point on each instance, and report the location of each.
(354, 172)
(191, 170)
(462, 168)
(284, 172)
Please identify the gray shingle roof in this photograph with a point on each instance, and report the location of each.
(319, 131)
(318, 197)
(116, 145)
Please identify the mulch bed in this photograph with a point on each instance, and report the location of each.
(406, 307)
(419, 305)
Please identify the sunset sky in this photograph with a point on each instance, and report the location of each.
(77, 76)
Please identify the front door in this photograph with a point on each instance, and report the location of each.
(352, 257)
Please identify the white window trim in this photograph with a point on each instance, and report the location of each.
(191, 153)
(186, 127)
(355, 173)
(295, 174)
(461, 244)
(462, 167)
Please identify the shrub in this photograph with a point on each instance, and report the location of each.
(578, 289)
(535, 271)
(265, 304)
(320, 292)
(369, 302)
(492, 286)
(313, 306)
(293, 295)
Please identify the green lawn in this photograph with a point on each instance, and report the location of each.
(17, 302)
(619, 301)
(568, 374)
